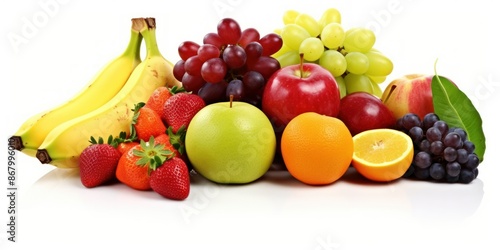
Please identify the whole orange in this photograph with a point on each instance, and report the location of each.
(317, 149)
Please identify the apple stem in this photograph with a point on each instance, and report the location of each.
(231, 101)
(301, 68)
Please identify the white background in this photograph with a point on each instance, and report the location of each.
(72, 40)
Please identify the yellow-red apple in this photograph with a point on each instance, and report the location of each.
(409, 94)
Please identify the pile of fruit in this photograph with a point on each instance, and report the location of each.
(307, 96)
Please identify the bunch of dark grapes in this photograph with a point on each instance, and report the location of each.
(229, 62)
(442, 153)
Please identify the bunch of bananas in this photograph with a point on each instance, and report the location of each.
(103, 107)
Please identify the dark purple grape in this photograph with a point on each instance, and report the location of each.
(450, 154)
(234, 56)
(437, 147)
(214, 70)
(467, 176)
(429, 120)
(421, 173)
(409, 172)
(462, 156)
(399, 125)
(410, 120)
(179, 70)
(271, 43)
(472, 162)
(247, 36)
(422, 159)
(214, 39)
(452, 179)
(453, 169)
(192, 83)
(433, 134)
(437, 171)
(461, 132)
(187, 49)
(453, 140)
(229, 30)
(207, 51)
(425, 146)
(266, 66)
(253, 80)
(213, 92)
(236, 89)
(442, 126)
(469, 146)
(476, 172)
(416, 134)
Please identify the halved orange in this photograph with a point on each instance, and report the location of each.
(382, 154)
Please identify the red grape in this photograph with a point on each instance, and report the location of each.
(214, 39)
(193, 66)
(213, 92)
(253, 80)
(192, 83)
(235, 88)
(229, 30)
(266, 65)
(214, 70)
(234, 56)
(187, 49)
(254, 51)
(247, 36)
(179, 70)
(207, 51)
(271, 43)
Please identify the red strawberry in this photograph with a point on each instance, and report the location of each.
(171, 179)
(180, 108)
(146, 123)
(98, 164)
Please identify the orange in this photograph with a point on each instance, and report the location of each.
(382, 154)
(316, 149)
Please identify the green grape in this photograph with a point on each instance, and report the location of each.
(377, 79)
(341, 83)
(312, 48)
(357, 63)
(377, 91)
(284, 49)
(358, 83)
(308, 23)
(289, 16)
(333, 35)
(359, 40)
(330, 15)
(289, 58)
(380, 65)
(334, 62)
(293, 35)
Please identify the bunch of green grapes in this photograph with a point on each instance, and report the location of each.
(347, 54)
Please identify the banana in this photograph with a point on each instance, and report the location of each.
(63, 145)
(102, 88)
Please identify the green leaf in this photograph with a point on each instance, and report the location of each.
(455, 108)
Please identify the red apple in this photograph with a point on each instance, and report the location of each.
(362, 111)
(409, 94)
(299, 88)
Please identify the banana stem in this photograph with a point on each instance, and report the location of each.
(134, 45)
(149, 34)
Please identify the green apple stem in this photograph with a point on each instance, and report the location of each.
(301, 67)
(231, 101)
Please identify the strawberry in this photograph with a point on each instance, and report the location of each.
(98, 163)
(171, 179)
(159, 96)
(180, 108)
(135, 166)
(146, 123)
(123, 147)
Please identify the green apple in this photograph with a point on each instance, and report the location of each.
(230, 142)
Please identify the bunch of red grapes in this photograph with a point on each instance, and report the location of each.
(230, 62)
